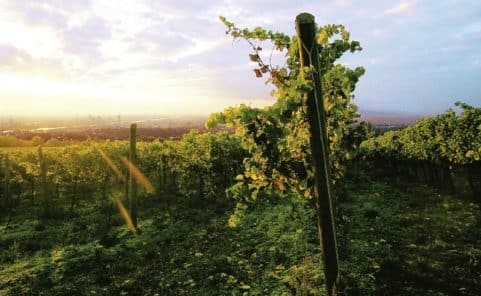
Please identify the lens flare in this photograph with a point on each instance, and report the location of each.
(124, 213)
(138, 175)
(110, 163)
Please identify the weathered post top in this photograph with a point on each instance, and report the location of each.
(304, 18)
(306, 32)
(133, 134)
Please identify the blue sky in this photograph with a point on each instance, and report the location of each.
(172, 57)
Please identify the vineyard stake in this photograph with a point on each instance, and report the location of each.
(309, 56)
(132, 181)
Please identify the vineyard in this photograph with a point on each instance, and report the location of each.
(433, 149)
(297, 198)
(201, 165)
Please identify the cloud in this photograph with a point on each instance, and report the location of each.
(38, 15)
(38, 41)
(9, 55)
(199, 46)
(86, 39)
(403, 8)
(344, 3)
(168, 52)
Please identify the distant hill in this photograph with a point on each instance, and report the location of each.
(388, 118)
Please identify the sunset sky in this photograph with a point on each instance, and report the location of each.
(173, 57)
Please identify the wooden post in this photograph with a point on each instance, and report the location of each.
(309, 56)
(449, 178)
(471, 183)
(132, 181)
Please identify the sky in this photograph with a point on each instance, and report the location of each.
(173, 57)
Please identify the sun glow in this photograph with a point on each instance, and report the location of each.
(37, 42)
(29, 93)
(122, 58)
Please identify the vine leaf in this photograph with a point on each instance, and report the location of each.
(254, 57)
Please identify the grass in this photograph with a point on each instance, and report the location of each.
(184, 249)
(394, 239)
(408, 239)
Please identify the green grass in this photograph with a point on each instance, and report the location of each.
(408, 239)
(184, 249)
(394, 239)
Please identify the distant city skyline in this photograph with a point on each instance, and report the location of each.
(104, 57)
